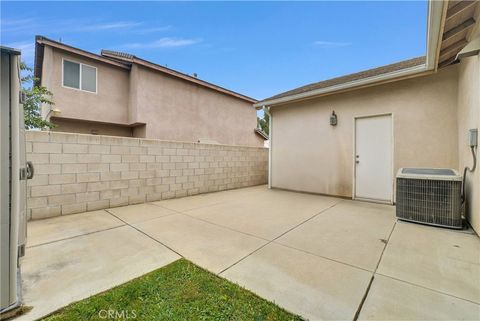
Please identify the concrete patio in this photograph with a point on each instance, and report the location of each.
(321, 257)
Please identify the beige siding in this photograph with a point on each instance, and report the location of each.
(310, 155)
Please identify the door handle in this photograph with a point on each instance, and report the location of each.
(357, 159)
(30, 170)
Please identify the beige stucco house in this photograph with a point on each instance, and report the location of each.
(417, 112)
(120, 94)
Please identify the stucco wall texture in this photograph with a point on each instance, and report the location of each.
(187, 112)
(109, 104)
(424, 122)
(469, 117)
(171, 108)
(431, 118)
(76, 173)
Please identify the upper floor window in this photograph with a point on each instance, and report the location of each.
(79, 76)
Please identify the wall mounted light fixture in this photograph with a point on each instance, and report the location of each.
(333, 119)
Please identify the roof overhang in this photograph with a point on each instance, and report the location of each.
(40, 40)
(435, 21)
(124, 61)
(461, 24)
(120, 56)
(10, 51)
(191, 79)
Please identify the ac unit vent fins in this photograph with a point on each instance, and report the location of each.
(430, 196)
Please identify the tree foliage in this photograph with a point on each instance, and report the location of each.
(35, 96)
(263, 123)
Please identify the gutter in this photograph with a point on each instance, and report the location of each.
(435, 18)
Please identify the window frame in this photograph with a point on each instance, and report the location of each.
(80, 76)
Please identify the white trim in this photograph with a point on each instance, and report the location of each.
(434, 35)
(354, 172)
(392, 75)
(270, 136)
(392, 200)
(80, 80)
(434, 19)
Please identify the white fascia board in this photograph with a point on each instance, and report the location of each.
(352, 84)
(434, 32)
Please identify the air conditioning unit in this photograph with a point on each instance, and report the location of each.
(430, 196)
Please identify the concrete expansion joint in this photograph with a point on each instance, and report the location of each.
(211, 223)
(430, 289)
(76, 236)
(323, 257)
(126, 223)
(367, 291)
(279, 236)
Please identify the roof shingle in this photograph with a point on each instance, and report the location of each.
(352, 77)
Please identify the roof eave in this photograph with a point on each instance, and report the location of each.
(435, 18)
(437, 11)
(125, 63)
(41, 40)
(10, 51)
(374, 80)
(177, 74)
(191, 79)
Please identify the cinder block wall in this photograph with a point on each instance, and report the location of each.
(76, 173)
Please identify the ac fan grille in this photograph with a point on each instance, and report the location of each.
(434, 202)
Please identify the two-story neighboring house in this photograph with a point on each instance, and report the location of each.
(122, 95)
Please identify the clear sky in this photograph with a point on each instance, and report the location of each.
(256, 48)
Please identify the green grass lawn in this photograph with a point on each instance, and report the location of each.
(178, 291)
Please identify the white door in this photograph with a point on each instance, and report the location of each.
(373, 158)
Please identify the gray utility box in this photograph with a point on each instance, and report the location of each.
(12, 180)
(430, 196)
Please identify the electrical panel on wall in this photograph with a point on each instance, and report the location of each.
(473, 137)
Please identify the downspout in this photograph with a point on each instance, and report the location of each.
(270, 136)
